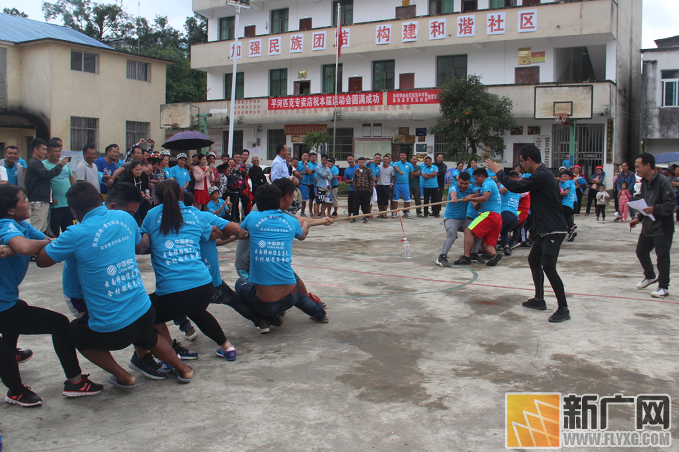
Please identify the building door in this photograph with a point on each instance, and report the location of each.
(303, 87)
(590, 142)
(305, 24)
(406, 81)
(297, 150)
(355, 84)
(517, 148)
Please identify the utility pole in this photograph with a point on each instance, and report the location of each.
(238, 5)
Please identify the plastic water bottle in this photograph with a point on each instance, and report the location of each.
(406, 245)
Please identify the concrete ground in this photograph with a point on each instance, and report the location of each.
(415, 357)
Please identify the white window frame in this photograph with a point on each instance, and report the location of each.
(136, 64)
(665, 82)
(82, 61)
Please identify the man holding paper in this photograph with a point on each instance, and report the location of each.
(657, 225)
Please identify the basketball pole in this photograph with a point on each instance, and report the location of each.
(571, 147)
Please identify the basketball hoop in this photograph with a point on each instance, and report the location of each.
(561, 118)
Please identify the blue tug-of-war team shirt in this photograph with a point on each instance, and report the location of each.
(14, 268)
(208, 248)
(176, 257)
(102, 247)
(271, 235)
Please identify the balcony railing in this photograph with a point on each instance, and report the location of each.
(547, 21)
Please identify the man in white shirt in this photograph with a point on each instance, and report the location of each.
(3, 176)
(86, 170)
(279, 167)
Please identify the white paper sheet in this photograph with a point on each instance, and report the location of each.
(639, 206)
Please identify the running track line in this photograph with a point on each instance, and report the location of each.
(660, 300)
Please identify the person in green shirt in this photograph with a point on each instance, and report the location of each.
(60, 214)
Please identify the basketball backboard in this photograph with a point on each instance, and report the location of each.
(176, 116)
(574, 100)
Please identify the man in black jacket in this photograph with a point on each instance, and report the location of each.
(656, 232)
(38, 188)
(548, 227)
(441, 177)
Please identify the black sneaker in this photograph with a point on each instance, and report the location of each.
(560, 315)
(476, 258)
(26, 398)
(442, 261)
(353, 220)
(184, 353)
(534, 303)
(507, 251)
(263, 327)
(22, 355)
(463, 260)
(276, 321)
(148, 366)
(494, 260)
(365, 220)
(83, 388)
(572, 236)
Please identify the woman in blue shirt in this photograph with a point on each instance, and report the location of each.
(17, 317)
(173, 233)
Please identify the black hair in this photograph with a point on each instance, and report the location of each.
(109, 147)
(268, 197)
(531, 152)
(332, 159)
(189, 200)
(427, 158)
(200, 157)
(245, 150)
(403, 152)
(473, 160)
(123, 194)
(279, 148)
(647, 159)
(387, 155)
(464, 176)
(350, 155)
(88, 146)
(377, 153)
(360, 158)
(515, 174)
(11, 147)
(35, 144)
(285, 185)
(130, 166)
(136, 146)
(311, 153)
(481, 172)
(56, 139)
(83, 197)
(8, 198)
(167, 192)
(304, 152)
(324, 156)
(567, 173)
(225, 155)
(53, 144)
(441, 154)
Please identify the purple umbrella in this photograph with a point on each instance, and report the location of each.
(187, 141)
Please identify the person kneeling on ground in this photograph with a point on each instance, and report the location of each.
(271, 234)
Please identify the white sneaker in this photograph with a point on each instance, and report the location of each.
(645, 283)
(660, 293)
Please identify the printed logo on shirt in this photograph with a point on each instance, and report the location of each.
(111, 270)
(169, 244)
(262, 244)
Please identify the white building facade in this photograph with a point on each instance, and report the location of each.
(660, 97)
(395, 57)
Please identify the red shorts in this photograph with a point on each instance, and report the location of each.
(523, 216)
(487, 226)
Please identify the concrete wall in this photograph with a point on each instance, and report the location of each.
(16, 137)
(657, 122)
(53, 89)
(660, 146)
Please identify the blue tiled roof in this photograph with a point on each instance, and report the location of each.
(19, 30)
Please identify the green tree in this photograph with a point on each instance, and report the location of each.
(14, 12)
(314, 140)
(473, 121)
(103, 22)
